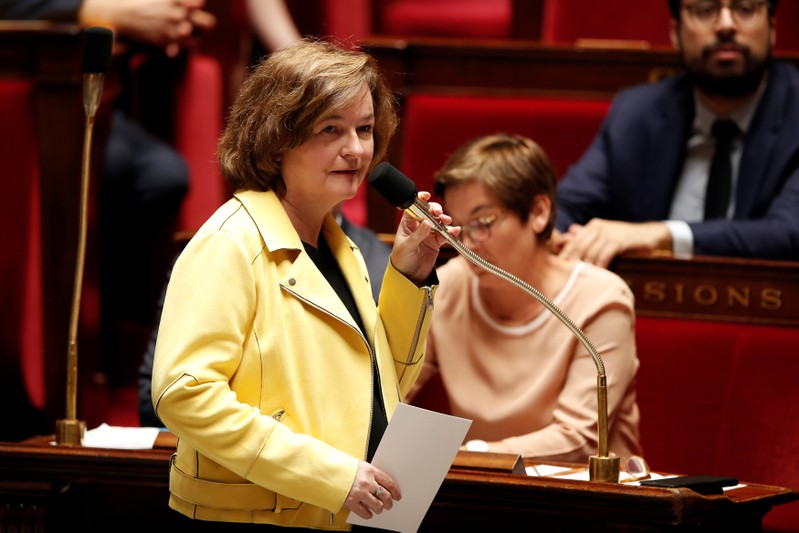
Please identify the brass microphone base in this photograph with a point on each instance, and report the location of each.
(69, 432)
(603, 469)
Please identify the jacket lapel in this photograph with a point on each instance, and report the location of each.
(302, 277)
(353, 267)
(671, 131)
(758, 156)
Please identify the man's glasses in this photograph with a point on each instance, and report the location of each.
(744, 13)
(479, 229)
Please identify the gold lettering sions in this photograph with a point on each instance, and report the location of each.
(741, 297)
(771, 299)
(679, 293)
(655, 291)
(705, 295)
(720, 297)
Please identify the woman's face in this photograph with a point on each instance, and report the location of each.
(330, 166)
(490, 230)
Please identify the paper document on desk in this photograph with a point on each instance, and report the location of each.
(122, 438)
(417, 450)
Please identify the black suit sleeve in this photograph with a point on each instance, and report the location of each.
(57, 10)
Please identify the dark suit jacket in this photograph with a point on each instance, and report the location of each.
(66, 10)
(631, 169)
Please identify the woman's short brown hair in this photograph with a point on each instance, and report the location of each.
(285, 96)
(513, 168)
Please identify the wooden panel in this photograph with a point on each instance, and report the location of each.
(514, 66)
(713, 288)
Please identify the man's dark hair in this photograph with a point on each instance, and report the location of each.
(674, 5)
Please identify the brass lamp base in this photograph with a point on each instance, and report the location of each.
(603, 469)
(69, 432)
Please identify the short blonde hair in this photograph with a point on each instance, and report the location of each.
(513, 167)
(284, 96)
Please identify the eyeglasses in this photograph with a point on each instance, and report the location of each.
(479, 229)
(744, 13)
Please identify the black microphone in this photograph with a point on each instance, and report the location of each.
(401, 192)
(94, 61)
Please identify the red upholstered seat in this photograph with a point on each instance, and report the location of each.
(448, 18)
(20, 265)
(682, 389)
(566, 21)
(760, 426)
(198, 124)
(190, 118)
(721, 398)
(434, 125)
(787, 18)
(433, 396)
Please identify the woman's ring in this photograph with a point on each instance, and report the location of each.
(378, 491)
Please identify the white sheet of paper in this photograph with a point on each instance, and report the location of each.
(123, 438)
(417, 450)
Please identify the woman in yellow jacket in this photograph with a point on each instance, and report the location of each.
(273, 366)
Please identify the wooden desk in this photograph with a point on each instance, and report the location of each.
(47, 488)
(470, 66)
(501, 501)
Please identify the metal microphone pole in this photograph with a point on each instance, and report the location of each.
(95, 60)
(400, 191)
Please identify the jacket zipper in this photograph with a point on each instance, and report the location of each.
(417, 332)
(372, 354)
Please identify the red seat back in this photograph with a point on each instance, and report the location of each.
(566, 21)
(434, 125)
(682, 390)
(787, 18)
(760, 426)
(21, 335)
(721, 398)
(479, 19)
(198, 124)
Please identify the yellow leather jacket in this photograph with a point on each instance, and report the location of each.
(263, 375)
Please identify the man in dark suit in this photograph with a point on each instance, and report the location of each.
(641, 185)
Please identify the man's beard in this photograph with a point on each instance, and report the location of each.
(729, 84)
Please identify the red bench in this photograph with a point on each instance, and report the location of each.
(721, 398)
(434, 125)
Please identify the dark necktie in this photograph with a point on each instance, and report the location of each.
(719, 183)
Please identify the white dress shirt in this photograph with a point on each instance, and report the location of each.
(689, 197)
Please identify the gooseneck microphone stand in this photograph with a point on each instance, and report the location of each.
(401, 192)
(95, 60)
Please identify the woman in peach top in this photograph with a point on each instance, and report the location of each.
(506, 362)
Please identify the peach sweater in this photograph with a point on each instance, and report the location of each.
(531, 389)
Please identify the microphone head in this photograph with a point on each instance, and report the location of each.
(393, 185)
(96, 51)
